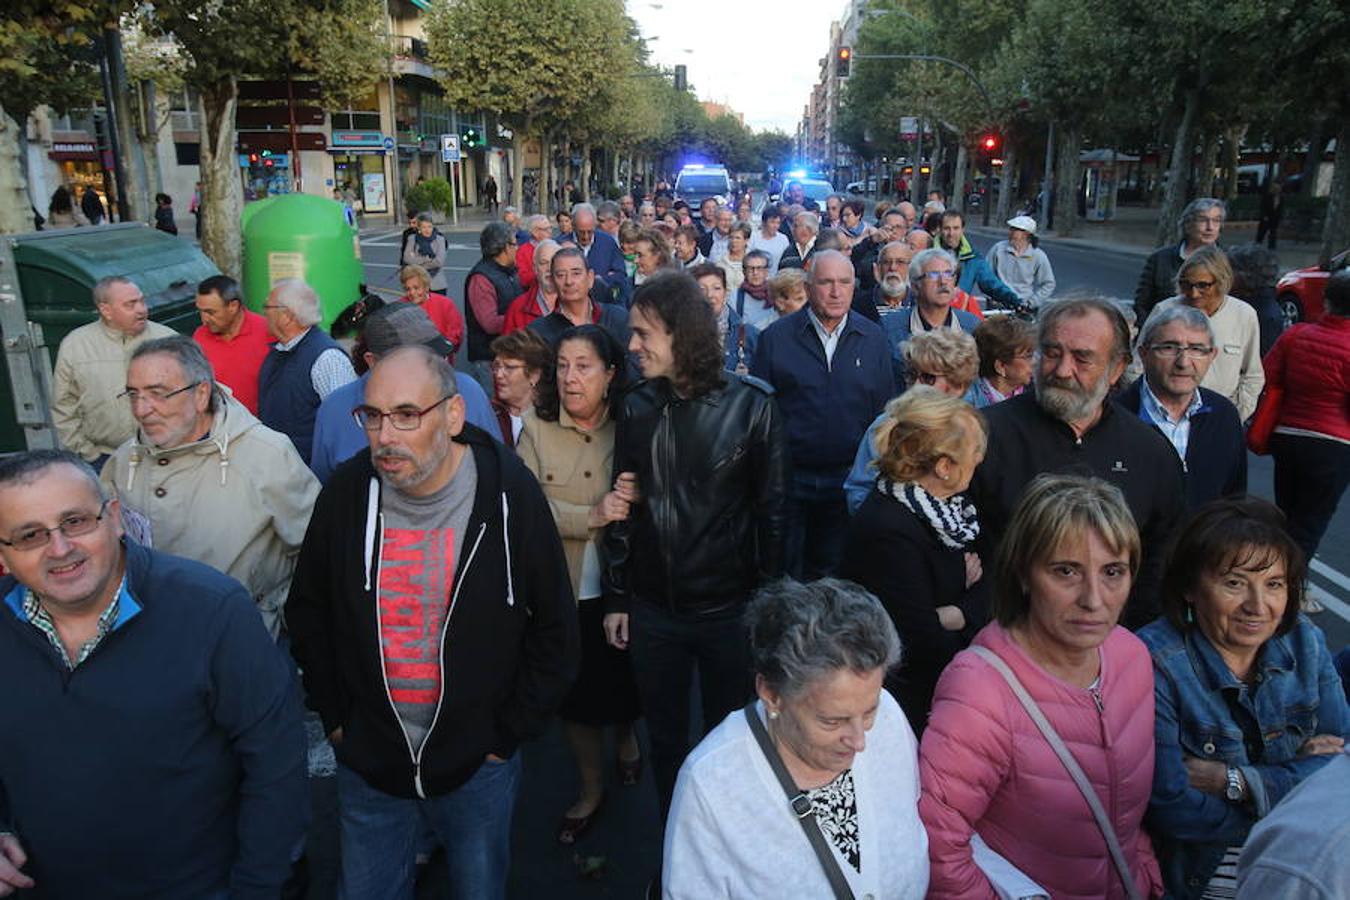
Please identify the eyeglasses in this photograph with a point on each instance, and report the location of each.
(72, 526)
(372, 419)
(1192, 351)
(1188, 286)
(927, 378)
(750, 269)
(940, 276)
(153, 396)
(496, 367)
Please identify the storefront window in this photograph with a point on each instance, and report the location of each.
(360, 177)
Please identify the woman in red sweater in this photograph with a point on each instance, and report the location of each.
(1310, 365)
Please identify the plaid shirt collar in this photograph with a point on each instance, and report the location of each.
(110, 619)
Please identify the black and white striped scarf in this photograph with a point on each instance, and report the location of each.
(953, 520)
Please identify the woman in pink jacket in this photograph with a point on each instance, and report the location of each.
(1063, 575)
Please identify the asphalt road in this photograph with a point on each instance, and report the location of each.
(616, 858)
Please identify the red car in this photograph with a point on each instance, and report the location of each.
(1300, 292)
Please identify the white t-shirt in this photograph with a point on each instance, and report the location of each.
(774, 246)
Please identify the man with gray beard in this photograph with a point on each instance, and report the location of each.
(1069, 425)
(432, 616)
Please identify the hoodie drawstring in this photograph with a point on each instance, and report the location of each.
(372, 513)
(506, 545)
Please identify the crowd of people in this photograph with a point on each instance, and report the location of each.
(973, 594)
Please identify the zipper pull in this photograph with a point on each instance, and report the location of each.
(1097, 699)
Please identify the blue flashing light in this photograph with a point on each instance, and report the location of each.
(797, 173)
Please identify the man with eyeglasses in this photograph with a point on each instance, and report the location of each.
(1201, 222)
(91, 365)
(932, 281)
(304, 366)
(864, 253)
(1069, 424)
(432, 616)
(152, 741)
(205, 480)
(1177, 348)
(337, 437)
(891, 290)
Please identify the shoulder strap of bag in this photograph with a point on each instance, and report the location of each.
(801, 806)
(1075, 771)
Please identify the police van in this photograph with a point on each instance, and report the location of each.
(696, 183)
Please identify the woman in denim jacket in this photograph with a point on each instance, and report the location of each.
(1248, 701)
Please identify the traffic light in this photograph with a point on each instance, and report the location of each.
(842, 60)
(989, 144)
(470, 138)
(681, 78)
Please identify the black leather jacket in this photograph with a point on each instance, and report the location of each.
(712, 474)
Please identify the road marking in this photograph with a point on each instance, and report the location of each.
(1330, 574)
(1330, 603)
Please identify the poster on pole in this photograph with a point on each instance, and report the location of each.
(373, 192)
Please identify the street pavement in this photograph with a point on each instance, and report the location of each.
(621, 852)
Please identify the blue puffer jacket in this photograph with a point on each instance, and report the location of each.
(975, 271)
(1206, 712)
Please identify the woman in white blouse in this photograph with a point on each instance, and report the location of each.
(820, 652)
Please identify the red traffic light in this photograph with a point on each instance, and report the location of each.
(990, 142)
(845, 52)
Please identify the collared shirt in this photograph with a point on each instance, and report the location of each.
(331, 370)
(1178, 432)
(918, 324)
(111, 617)
(828, 341)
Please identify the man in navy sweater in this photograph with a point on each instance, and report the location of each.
(831, 371)
(1177, 347)
(152, 744)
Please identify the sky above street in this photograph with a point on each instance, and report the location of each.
(760, 57)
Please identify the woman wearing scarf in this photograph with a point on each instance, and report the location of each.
(427, 249)
(754, 304)
(909, 543)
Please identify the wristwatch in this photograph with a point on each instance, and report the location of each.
(1236, 788)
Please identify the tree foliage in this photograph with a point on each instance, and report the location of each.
(1170, 77)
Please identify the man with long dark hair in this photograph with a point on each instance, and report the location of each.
(701, 451)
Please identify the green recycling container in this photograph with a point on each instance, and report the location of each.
(57, 271)
(306, 237)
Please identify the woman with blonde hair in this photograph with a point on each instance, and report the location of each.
(944, 359)
(909, 543)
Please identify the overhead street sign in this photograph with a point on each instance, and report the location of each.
(449, 148)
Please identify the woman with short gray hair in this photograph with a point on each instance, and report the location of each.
(813, 787)
(427, 249)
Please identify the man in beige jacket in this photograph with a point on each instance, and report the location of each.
(91, 368)
(204, 479)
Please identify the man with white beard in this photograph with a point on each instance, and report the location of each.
(1069, 425)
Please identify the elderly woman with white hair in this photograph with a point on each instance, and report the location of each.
(1021, 264)
(812, 789)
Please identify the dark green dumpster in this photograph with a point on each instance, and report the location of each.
(57, 271)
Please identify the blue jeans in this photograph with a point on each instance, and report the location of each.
(379, 835)
(817, 523)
